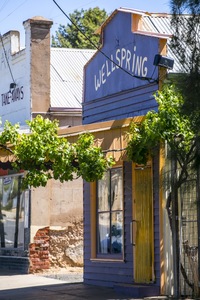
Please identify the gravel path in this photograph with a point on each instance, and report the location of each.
(68, 274)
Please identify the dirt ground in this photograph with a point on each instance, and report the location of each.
(66, 270)
(67, 274)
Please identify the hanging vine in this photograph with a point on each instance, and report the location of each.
(45, 155)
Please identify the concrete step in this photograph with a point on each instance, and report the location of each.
(15, 264)
(137, 291)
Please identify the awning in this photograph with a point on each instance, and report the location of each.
(111, 136)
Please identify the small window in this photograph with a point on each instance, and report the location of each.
(110, 213)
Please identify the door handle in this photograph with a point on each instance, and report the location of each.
(132, 232)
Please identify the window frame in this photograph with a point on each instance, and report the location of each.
(21, 201)
(112, 255)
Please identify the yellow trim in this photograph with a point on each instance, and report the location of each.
(162, 76)
(161, 208)
(109, 135)
(136, 22)
(98, 127)
(153, 245)
(162, 71)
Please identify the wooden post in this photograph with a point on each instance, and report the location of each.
(17, 213)
(2, 233)
(175, 227)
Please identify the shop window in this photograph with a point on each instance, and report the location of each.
(110, 213)
(12, 208)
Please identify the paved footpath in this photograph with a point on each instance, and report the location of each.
(29, 287)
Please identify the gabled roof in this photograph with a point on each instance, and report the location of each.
(67, 63)
(154, 24)
(66, 73)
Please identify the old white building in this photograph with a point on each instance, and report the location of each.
(37, 226)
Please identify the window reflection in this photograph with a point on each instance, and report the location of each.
(104, 232)
(116, 189)
(110, 213)
(11, 212)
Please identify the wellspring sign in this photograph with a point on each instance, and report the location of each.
(122, 59)
(122, 68)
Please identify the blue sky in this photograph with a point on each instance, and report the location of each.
(14, 12)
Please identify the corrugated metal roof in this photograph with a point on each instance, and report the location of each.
(161, 23)
(67, 76)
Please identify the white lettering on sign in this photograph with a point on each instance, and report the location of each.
(12, 96)
(125, 59)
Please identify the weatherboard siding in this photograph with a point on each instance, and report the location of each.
(135, 102)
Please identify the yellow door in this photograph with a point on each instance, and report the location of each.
(143, 224)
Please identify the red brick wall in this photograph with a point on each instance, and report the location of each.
(39, 251)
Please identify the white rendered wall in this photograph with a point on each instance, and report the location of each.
(15, 102)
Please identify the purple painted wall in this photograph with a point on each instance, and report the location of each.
(126, 63)
(111, 93)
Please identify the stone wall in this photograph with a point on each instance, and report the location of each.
(57, 248)
(66, 246)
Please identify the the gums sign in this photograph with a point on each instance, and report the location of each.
(12, 96)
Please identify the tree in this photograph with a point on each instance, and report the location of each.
(186, 46)
(167, 124)
(82, 29)
(45, 155)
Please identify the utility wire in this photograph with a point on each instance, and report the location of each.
(13, 11)
(7, 58)
(1, 8)
(150, 80)
(4, 4)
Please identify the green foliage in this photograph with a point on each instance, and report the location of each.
(185, 6)
(168, 124)
(92, 164)
(186, 47)
(45, 155)
(10, 133)
(83, 27)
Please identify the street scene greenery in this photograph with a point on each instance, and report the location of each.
(167, 124)
(176, 123)
(45, 155)
(80, 32)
